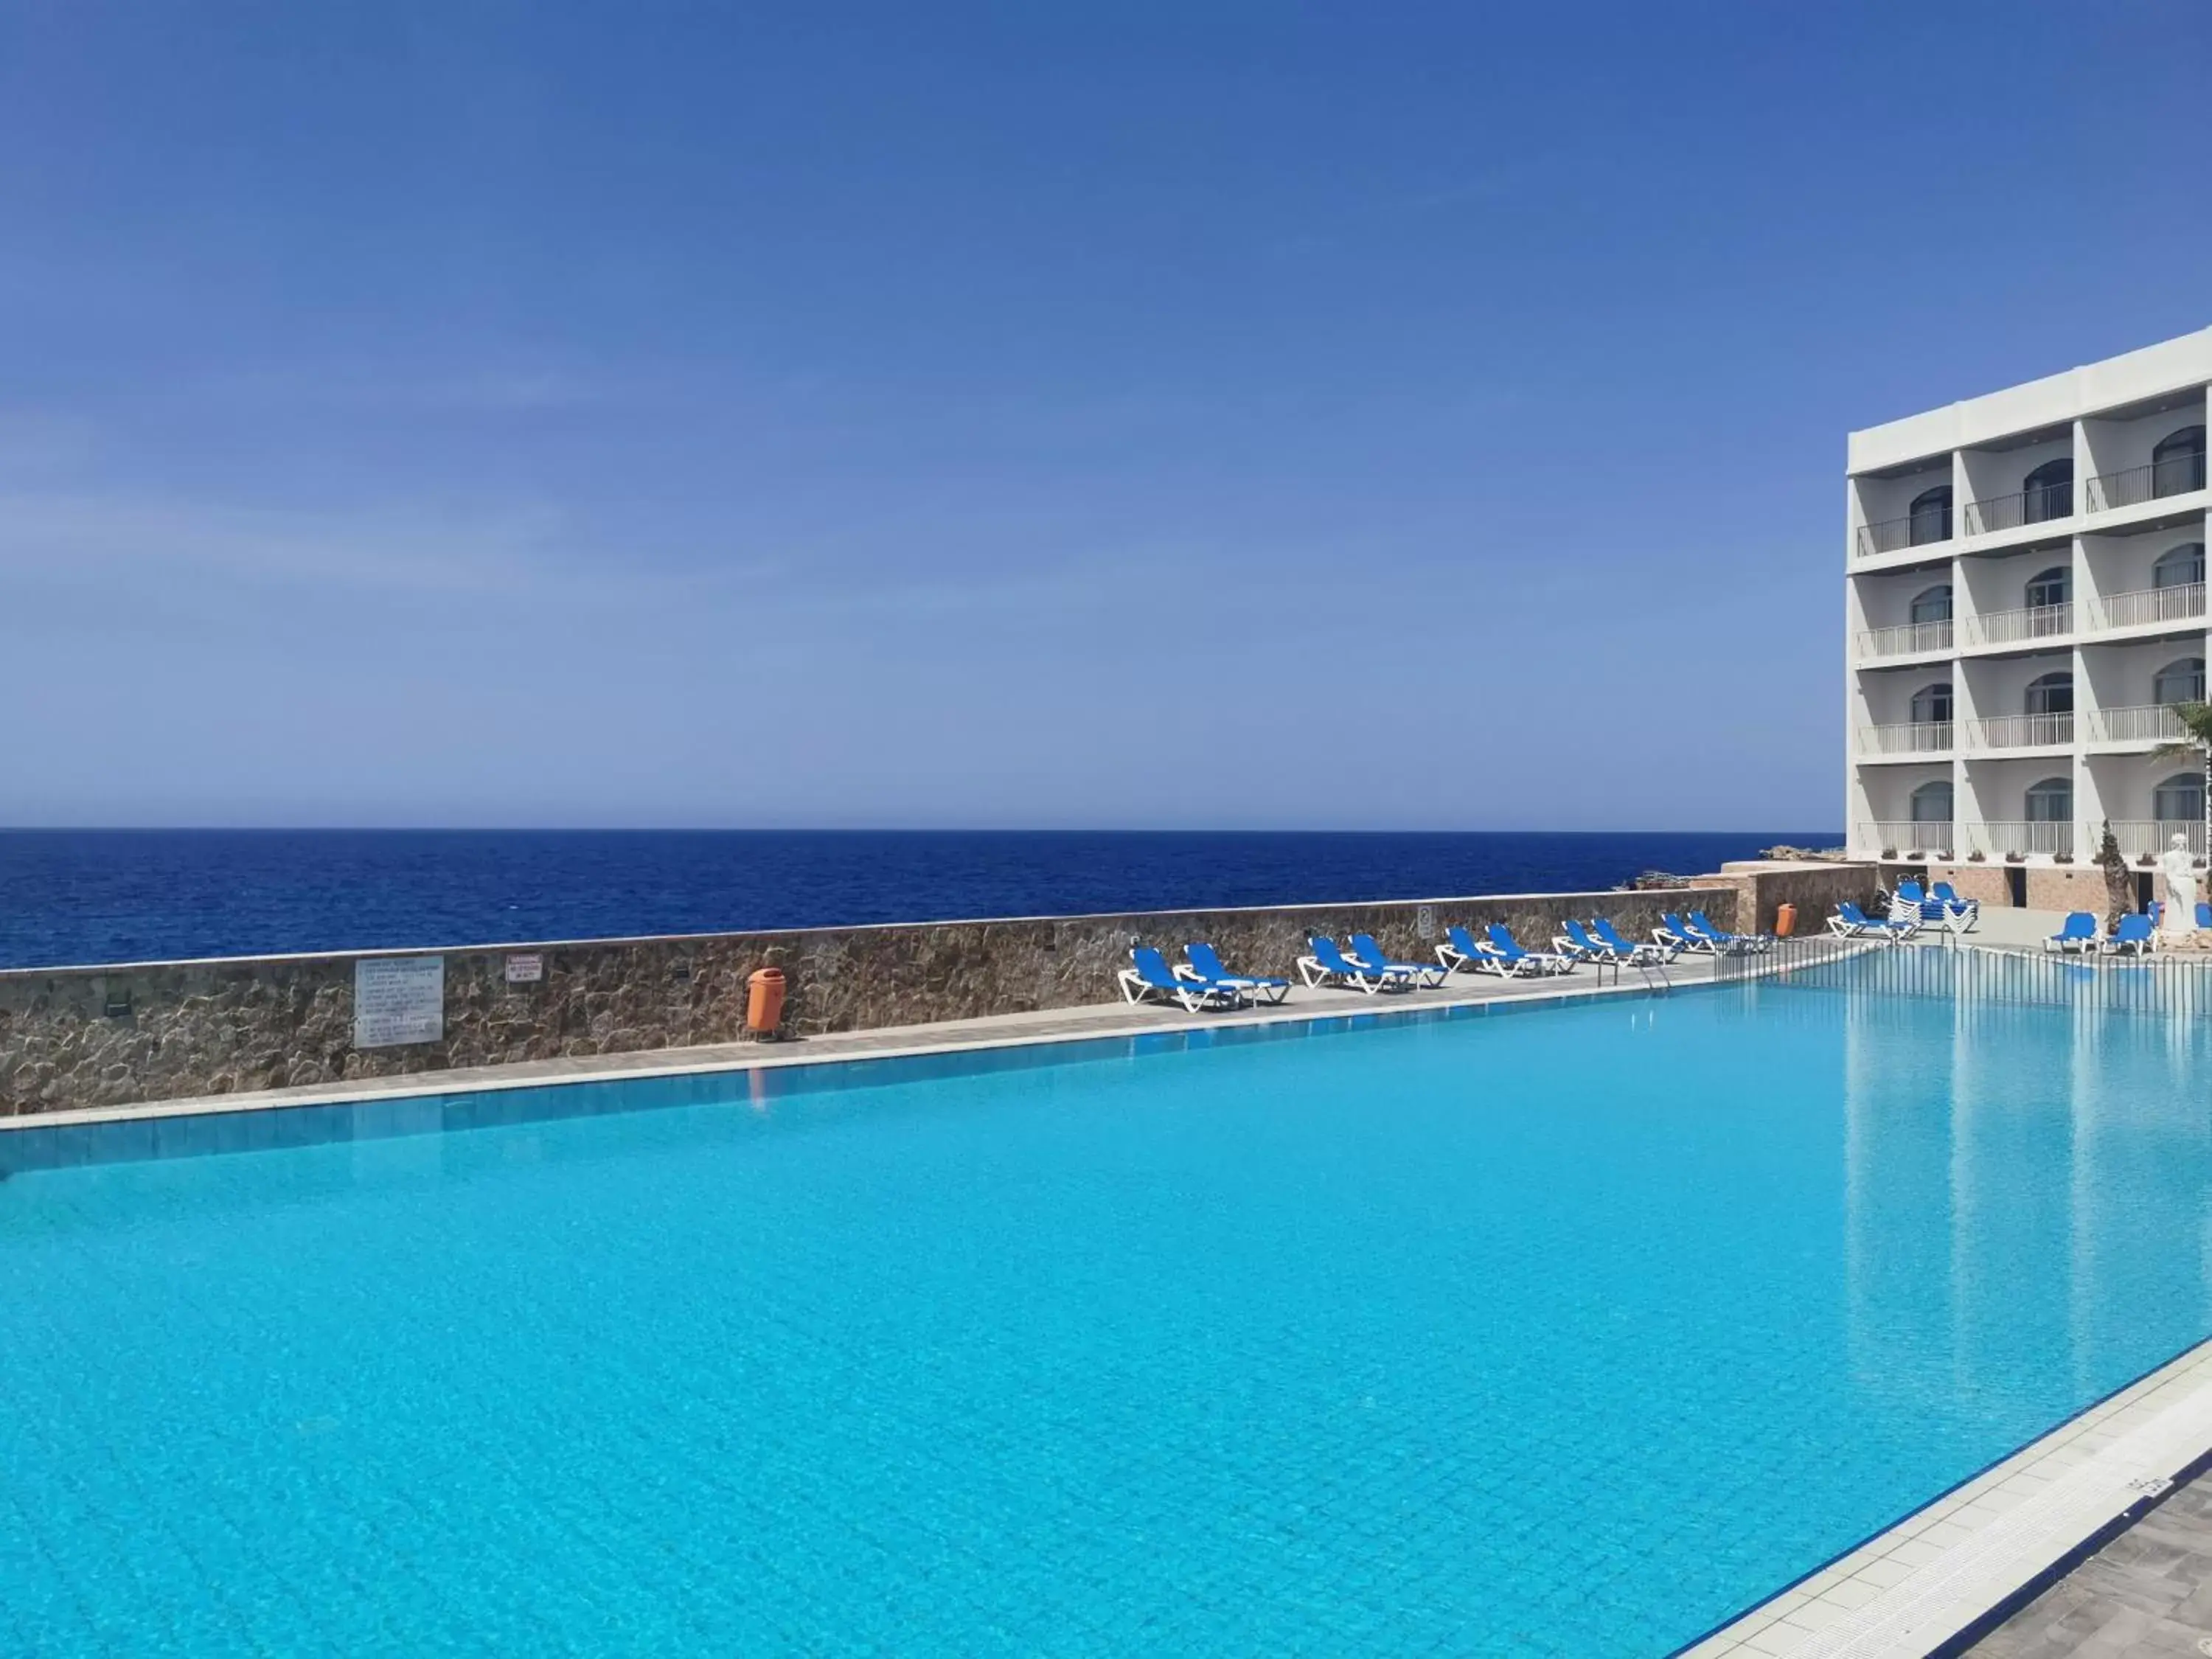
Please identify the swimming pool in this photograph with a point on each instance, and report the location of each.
(1568, 1332)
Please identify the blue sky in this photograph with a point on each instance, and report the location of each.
(1229, 414)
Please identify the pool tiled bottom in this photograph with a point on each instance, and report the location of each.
(1572, 1333)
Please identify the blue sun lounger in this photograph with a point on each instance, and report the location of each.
(1509, 951)
(1206, 967)
(1623, 950)
(1727, 941)
(1146, 979)
(1851, 922)
(1370, 954)
(1329, 964)
(1673, 932)
(1573, 941)
(1461, 948)
(2078, 934)
(2132, 937)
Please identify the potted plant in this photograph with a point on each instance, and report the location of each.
(2147, 860)
(1888, 853)
(2016, 857)
(2062, 858)
(1978, 856)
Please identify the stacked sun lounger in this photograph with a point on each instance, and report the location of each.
(1946, 909)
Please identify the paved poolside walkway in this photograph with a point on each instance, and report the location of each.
(2148, 1591)
(1102, 1019)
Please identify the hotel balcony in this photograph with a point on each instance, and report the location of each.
(2147, 724)
(2034, 622)
(2176, 475)
(2023, 507)
(1907, 739)
(1915, 837)
(2026, 839)
(1906, 640)
(1919, 529)
(2020, 731)
(2148, 605)
(2137, 837)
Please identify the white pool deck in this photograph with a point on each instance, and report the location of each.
(1913, 1590)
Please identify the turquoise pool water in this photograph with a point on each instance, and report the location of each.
(1568, 1332)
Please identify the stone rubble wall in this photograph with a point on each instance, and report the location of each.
(119, 1035)
(1763, 886)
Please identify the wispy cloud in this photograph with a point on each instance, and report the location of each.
(100, 535)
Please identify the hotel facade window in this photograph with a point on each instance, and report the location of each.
(1931, 804)
(2179, 567)
(2180, 682)
(2051, 801)
(2050, 694)
(1931, 704)
(1928, 518)
(2177, 465)
(2179, 799)
(2026, 591)
(2049, 492)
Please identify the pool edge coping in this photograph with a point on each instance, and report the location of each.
(1816, 1613)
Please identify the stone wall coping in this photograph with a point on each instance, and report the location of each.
(626, 941)
(1759, 866)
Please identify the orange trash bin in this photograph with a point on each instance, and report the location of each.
(764, 1001)
(1785, 918)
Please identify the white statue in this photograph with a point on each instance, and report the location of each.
(2180, 918)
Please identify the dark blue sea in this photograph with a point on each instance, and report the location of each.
(74, 896)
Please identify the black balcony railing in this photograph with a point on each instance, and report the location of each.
(2036, 506)
(1914, 530)
(2176, 475)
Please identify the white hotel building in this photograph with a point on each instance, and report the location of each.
(2025, 597)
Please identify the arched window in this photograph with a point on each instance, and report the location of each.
(2180, 682)
(2049, 491)
(2177, 465)
(2051, 694)
(2179, 567)
(1932, 703)
(1931, 803)
(1929, 519)
(2051, 801)
(2053, 586)
(2179, 799)
(1934, 605)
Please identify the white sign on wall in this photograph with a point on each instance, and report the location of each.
(1425, 922)
(398, 1000)
(526, 966)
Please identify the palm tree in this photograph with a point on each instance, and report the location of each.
(2194, 745)
(2119, 880)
